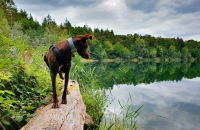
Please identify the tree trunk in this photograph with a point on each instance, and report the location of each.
(70, 116)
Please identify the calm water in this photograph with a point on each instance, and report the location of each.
(169, 92)
(167, 105)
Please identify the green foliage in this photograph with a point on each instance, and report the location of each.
(20, 90)
(4, 28)
(139, 48)
(96, 50)
(66, 26)
(118, 50)
(93, 96)
(81, 30)
(95, 101)
(48, 21)
(153, 53)
(6, 107)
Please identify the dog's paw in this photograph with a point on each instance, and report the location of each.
(64, 101)
(55, 105)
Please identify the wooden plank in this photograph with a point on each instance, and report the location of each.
(70, 116)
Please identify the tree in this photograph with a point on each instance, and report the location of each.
(194, 47)
(160, 51)
(185, 53)
(153, 52)
(48, 21)
(107, 45)
(179, 44)
(172, 51)
(29, 25)
(151, 40)
(118, 50)
(22, 14)
(4, 28)
(96, 50)
(79, 31)
(67, 25)
(139, 47)
(10, 11)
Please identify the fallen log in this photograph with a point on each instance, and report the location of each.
(70, 116)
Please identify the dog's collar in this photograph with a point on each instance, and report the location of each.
(71, 44)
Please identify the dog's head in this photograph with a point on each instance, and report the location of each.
(81, 45)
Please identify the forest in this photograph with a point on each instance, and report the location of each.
(106, 45)
(24, 77)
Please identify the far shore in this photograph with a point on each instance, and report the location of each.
(157, 60)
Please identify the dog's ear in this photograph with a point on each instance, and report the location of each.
(86, 37)
(90, 37)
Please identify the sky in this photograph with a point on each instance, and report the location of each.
(165, 18)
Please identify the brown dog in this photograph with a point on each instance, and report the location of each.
(58, 59)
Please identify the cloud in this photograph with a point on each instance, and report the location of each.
(142, 5)
(56, 3)
(186, 7)
(166, 18)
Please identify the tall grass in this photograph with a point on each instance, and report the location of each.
(126, 119)
(92, 92)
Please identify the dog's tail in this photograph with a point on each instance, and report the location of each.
(45, 56)
(45, 59)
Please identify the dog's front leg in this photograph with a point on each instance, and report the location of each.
(65, 91)
(55, 99)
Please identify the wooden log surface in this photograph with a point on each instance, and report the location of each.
(70, 116)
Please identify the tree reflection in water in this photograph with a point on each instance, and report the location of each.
(168, 91)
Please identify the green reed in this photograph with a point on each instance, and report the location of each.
(126, 119)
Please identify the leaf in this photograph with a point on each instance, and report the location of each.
(2, 85)
(109, 128)
(30, 107)
(39, 91)
(8, 101)
(1, 99)
(19, 118)
(7, 107)
(9, 92)
(5, 114)
(2, 92)
(5, 122)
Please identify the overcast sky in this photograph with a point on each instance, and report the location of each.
(166, 18)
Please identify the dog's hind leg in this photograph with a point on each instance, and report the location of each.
(55, 99)
(61, 75)
(65, 91)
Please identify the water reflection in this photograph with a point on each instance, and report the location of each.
(167, 105)
(137, 73)
(170, 92)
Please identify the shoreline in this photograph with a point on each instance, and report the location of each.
(157, 60)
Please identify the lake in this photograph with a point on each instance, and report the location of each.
(169, 92)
